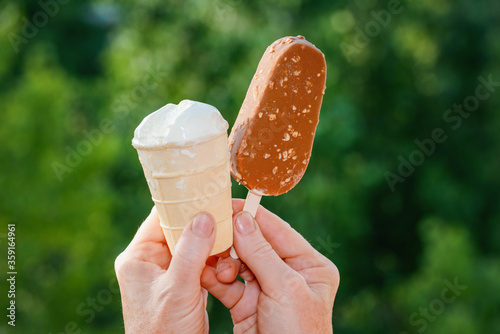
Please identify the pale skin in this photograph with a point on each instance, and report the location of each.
(289, 286)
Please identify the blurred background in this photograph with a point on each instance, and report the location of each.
(402, 191)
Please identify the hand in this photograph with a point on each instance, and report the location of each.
(161, 293)
(289, 286)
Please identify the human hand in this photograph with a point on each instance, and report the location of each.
(289, 286)
(161, 293)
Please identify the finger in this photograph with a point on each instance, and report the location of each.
(227, 269)
(148, 244)
(227, 293)
(247, 326)
(150, 230)
(238, 205)
(287, 242)
(246, 273)
(204, 292)
(193, 249)
(212, 261)
(258, 254)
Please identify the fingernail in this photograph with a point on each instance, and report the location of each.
(203, 226)
(222, 266)
(245, 223)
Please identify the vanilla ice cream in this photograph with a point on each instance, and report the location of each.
(184, 152)
(178, 125)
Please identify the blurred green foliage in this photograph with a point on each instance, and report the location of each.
(82, 81)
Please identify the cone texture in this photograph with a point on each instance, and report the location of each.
(187, 180)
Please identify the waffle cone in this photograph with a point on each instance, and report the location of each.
(186, 180)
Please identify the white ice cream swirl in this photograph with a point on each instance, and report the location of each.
(189, 122)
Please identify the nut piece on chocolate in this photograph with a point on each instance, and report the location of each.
(272, 138)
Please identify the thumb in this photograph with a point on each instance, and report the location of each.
(193, 249)
(258, 254)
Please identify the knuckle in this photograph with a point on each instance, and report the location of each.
(122, 264)
(261, 248)
(207, 282)
(119, 263)
(334, 274)
(331, 269)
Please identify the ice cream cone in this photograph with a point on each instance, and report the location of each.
(187, 179)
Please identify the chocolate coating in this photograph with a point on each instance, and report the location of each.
(272, 138)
